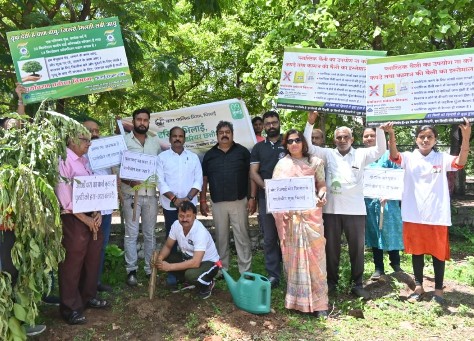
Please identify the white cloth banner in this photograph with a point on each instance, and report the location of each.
(137, 166)
(106, 152)
(383, 183)
(94, 193)
(290, 194)
(199, 123)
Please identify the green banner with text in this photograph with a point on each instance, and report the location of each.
(70, 60)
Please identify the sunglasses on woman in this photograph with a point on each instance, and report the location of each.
(291, 141)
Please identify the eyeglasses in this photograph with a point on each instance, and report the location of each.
(343, 137)
(291, 141)
(272, 124)
(85, 140)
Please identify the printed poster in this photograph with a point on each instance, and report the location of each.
(70, 60)
(326, 80)
(383, 183)
(424, 88)
(199, 123)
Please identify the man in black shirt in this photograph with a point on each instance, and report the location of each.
(265, 156)
(226, 168)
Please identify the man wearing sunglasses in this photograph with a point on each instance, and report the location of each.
(345, 209)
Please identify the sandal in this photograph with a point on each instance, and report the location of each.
(415, 297)
(75, 317)
(97, 303)
(438, 299)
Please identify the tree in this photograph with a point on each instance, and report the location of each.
(28, 174)
(32, 66)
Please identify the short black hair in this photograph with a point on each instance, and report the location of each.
(186, 206)
(255, 119)
(141, 111)
(223, 124)
(177, 127)
(271, 113)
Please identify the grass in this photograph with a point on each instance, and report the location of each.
(386, 317)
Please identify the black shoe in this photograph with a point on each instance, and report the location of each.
(377, 274)
(360, 292)
(207, 291)
(132, 278)
(104, 287)
(97, 303)
(321, 314)
(75, 317)
(51, 300)
(274, 282)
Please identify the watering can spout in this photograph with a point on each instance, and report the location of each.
(231, 284)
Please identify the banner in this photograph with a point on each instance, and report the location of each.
(106, 152)
(383, 183)
(325, 80)
(290, 194)
(94, 193)
(137, 166)
(70, 60)
(424, 88)
(200, 123)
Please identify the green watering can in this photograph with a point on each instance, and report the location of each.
(252, 292)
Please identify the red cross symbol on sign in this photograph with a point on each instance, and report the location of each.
(374, 90)
(287, 76)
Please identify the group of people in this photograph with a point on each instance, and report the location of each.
(307, 243)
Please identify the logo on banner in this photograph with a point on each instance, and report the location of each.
(236, 111)
(23, 50)
(110, 37)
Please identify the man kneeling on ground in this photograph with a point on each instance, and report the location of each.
(196, 264)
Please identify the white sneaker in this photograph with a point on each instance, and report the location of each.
(35, 330)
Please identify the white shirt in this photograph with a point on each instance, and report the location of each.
(425, 198)
(198, 239)
(178, 173)
(345, 174)
(151, 147)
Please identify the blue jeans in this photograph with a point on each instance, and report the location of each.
(105, 227)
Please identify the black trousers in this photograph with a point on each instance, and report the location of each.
(353, 227)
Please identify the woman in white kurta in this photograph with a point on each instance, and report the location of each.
(426, 209)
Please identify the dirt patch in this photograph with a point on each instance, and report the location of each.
(184, 316)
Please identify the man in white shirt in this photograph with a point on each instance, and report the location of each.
(146, 207)
(179, 179)
(345, 209)
(198, 262)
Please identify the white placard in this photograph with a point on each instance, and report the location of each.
(106, 152)
(94, 193)
(383, 183)
(137, 166)
(290, 194)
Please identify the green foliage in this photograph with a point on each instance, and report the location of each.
(114, 264)
(28, 204)
(32, 66)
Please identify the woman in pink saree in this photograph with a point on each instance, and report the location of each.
(301, 233)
